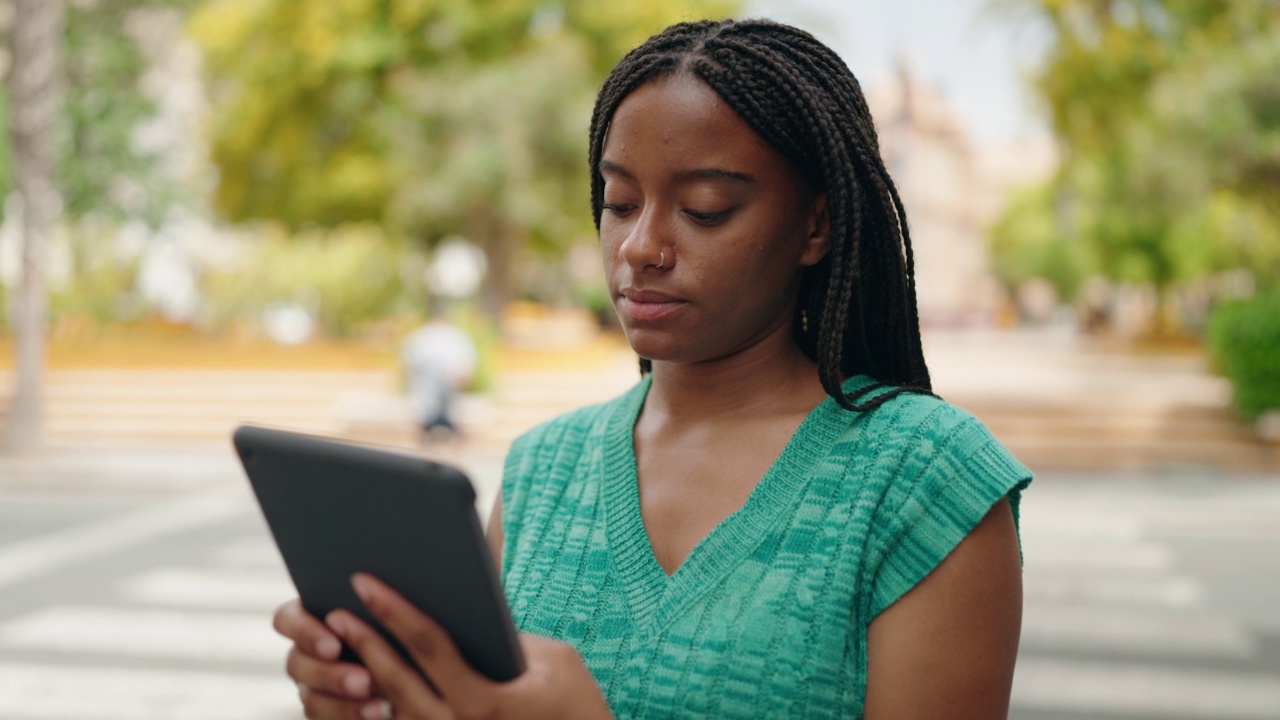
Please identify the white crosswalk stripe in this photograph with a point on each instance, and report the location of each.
(141, 632)
(1130, 588)
(44, 554)
(221, 588)
(1118, 689)
(60, 692)
(249, 553)
(1084, 627)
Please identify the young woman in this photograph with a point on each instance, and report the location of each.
(780, 519)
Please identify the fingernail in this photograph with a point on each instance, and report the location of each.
(328, 647)
(357, 684)
(336, 624)
(359, 584)
(380, 710)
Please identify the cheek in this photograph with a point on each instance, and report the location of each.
(609, 243)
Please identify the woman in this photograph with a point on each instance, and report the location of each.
(779, 520)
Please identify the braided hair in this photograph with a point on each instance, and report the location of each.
(856, 312)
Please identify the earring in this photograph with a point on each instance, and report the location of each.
(804, 320)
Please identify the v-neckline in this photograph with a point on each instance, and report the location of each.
(654, 596)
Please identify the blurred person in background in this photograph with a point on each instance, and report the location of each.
(780, 519)
(439, 360)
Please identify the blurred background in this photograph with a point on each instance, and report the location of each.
(218, 211)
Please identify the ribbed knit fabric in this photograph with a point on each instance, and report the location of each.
(768, 615)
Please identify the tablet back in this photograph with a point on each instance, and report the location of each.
(336, 509)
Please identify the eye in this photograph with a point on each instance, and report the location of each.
(619, 209)
(710, 218)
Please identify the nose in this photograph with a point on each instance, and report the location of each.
(647, 241)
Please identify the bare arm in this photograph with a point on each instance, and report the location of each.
(494, 531)
(947, 648)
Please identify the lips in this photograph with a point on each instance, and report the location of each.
(648, 305)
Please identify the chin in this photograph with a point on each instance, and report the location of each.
(655, 346)
(663, 350)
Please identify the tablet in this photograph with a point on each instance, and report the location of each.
(337, 508)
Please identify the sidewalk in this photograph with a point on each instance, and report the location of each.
(1059, 404)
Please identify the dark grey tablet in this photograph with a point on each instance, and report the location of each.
(337, 508)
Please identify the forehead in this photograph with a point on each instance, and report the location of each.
(679, 120)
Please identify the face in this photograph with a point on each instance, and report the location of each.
(705, 229)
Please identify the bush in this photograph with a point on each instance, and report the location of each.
(346, 278)
(1244, 342)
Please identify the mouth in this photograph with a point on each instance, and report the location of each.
(647, 305)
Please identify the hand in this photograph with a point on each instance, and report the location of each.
(328, 688)
(556, 683)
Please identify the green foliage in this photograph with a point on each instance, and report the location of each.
(1026, 244)
(1244, 339)
(99, 171)
(1169, 115)
(427, 118)
(103, 286)
(347, 278)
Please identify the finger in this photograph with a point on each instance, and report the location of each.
(333, 678)
(401, 684)
(319, 706)
(306, 631)
(429, 644)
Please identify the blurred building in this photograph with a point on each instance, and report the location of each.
(952, 193)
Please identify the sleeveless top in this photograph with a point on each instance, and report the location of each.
(768, 615)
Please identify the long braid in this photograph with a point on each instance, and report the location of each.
(801, 98)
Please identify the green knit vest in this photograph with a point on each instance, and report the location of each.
(768, 615)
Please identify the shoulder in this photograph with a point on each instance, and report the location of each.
(935, 473)
(925, 440)
(925, 418)
(909, 432)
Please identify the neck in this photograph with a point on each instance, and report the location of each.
(771, 376)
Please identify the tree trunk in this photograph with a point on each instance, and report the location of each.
(500, 283)
(34, 97)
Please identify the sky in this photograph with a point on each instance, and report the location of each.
(976, 57)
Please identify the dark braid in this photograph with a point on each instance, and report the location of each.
(860, 299)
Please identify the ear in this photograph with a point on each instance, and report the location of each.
(818, 241)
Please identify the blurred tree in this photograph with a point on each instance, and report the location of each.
(1027, 244)
(427, 117)
(73, 101)
(34, 96)
(100, 170)
(1221, 113)
(1166, 112)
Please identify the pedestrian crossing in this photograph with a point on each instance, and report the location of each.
(1114, 626)
(174, 642)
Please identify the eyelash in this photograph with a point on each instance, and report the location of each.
(706, 219)
(714, 218)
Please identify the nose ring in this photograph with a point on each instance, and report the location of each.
(662, 259)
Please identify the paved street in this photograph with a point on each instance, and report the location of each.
(1150, 599)
(149, 595)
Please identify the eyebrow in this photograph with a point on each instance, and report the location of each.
(691, 175)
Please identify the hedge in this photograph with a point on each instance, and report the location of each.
(1244, 344)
